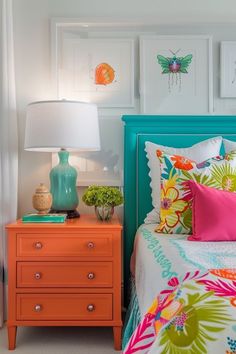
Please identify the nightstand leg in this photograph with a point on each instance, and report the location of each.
(117, 337)
(12, 337)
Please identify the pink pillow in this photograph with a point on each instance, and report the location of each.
(213, 214)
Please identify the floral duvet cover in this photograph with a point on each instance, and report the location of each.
(195, 314)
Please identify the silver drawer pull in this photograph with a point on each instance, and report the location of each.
(90, 245)
(38, 245)
(38, 308)
(38, 276)
(91, 276)
(90, 307)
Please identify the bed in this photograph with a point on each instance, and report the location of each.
(179, 262)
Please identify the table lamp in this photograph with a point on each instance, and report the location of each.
(62, 126)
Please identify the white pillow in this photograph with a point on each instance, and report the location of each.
(152, 217)
(198, 152)
(229, 145)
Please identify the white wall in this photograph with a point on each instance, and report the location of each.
(32, 54)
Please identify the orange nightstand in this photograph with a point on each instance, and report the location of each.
(65, 275)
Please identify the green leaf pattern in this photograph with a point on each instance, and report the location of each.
(206, 317)
(189, 316)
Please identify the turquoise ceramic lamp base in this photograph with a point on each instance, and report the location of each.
(63, 187)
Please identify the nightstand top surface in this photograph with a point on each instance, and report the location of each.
(85, 221)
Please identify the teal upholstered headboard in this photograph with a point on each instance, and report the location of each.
(177, 131)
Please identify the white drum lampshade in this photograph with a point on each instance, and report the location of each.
(55, 125)
(62, 126)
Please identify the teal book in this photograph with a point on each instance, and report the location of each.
(53, 218)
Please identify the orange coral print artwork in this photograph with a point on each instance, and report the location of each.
(104, 74)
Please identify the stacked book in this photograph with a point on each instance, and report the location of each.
(54, 218)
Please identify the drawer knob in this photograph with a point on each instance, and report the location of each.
(91, 275)
(38, 245)
(38, 275)
(90, 245)
(38, 308)
(90, 307)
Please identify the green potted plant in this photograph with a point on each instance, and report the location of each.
(104, 199)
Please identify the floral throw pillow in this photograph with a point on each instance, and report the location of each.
(176, 199)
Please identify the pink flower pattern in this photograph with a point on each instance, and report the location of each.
(166, 309)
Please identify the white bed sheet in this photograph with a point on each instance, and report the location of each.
(159, 257)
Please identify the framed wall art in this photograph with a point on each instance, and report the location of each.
(228, 69)
(176, 75)
(97, 70)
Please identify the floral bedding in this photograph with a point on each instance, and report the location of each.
(159, 262)
(172, 256)
(195, 314)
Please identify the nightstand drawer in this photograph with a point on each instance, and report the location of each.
(64, 274)
(84, 307)
(59, 245)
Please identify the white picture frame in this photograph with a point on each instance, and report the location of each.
(98, 70)
(228, 69)
(176, 92)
